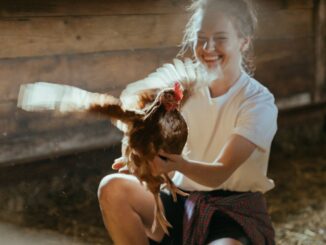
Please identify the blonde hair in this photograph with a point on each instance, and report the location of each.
(243, 16)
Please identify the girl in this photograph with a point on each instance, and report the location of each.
(231, 126)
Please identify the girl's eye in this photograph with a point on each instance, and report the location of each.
(201, 39)
(220, 38)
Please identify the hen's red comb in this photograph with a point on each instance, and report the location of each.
(178, 91)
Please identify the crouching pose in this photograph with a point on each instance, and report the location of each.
(231, 124)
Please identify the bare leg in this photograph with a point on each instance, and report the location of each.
(127, 210)
(225, 241)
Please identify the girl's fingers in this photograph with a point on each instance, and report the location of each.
(124, 170)
(163, 153)
(168, 156)
(154, 165)
(163, 158)
(117, 165)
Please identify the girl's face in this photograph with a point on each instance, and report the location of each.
(218, 43)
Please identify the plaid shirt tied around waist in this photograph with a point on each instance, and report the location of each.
(248, 209)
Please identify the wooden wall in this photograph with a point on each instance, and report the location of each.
(101, 45)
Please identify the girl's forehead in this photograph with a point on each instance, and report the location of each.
(216, 23)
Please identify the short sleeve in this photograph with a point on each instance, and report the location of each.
(257, 120)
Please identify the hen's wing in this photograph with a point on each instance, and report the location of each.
(112, 109)
(63, 98)
(191, 75)
(50, 96)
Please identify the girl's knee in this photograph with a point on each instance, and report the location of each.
(114, 187)
(225, 241)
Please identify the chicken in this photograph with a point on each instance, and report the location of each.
(147, 112)
(142, 93)
(159, 126)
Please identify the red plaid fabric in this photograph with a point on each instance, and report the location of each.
(248, 209)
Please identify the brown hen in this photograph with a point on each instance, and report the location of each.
(159, 126)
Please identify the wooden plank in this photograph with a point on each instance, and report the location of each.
(268, 5)
(8, 125)
(285, 24)
(31, 8)
(294, 101)
(7, 107)
(320, 51)
(14, 122)
(8, 128)
(299, 4)
(285, 79)
(38, 122)
(314, 112)
(98, 72)
(70, 35)
(284, 66)
(55, 143)
(268, 50)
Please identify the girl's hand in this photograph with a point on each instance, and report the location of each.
(120, 166)
(165, 163)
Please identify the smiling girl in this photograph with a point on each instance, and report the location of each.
(231, 126)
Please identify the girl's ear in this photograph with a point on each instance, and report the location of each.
(245, 44)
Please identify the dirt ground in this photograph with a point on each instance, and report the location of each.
(298, 203)
(15, 235)
(297, 206)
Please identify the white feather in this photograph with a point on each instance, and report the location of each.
(169, 76)
(175, 76)
(181, 70)
(190, 68)
(186, 72)
(50, 96)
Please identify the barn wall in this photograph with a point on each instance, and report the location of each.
(102, 45)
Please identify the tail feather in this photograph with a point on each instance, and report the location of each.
(172, 188)
(159, 216)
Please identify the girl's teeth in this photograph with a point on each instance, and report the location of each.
(213, 58)
(210, 59)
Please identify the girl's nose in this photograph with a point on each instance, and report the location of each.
(209, 45)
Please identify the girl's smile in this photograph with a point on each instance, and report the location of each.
(212, 60)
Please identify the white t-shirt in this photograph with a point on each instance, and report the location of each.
(247, 109)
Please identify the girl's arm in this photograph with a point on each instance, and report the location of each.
(235, 152)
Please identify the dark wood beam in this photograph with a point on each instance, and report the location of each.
(320, 55)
